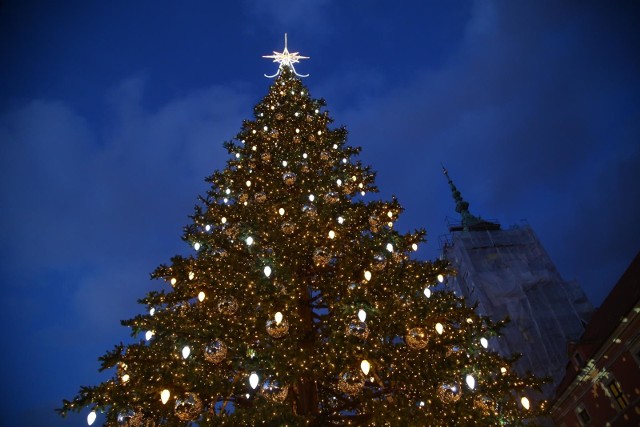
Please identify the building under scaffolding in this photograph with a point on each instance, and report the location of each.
(508, 273)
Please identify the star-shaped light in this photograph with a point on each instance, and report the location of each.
(286, 58)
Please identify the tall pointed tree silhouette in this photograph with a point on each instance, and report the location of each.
(300, 304)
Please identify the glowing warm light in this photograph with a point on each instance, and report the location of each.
(389, 247)
(286, 58)
(367, 275)
(253, 380)
(267, 271)
(340, 220)
(164, 396)
(207, 227)
(281, 211)
(304, 155)
(390, 214)
(339, 182)
(427, 292)
(248, 183)
(525, 403)
(191, 275)
(439, 328)
(186, 351)
(421, 404)
(503, 370)
(440, 278)
(152, 311)
(223, 220)
(249, 241)
(228, 191)
(173, 281)
(362, 315)
(311, 197)
(471, 382)
(91, 417)
(201, 296)
(125, 378)
(484, 342)
(284, 163)
(332, 234)
(414, 247)
(196, 246)
(365, 366)
(148, 335)
(278, 318)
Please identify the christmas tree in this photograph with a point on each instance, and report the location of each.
(300, 304)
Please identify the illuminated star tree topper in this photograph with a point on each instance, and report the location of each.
(286, 58)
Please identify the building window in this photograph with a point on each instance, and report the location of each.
(583, 415)
(617, 394)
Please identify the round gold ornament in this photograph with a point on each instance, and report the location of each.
(350, 382)
(484, 405)
(374, 222)
(228, 306)
(275, 133)
(289, 178)
(304, 167)
(297, 139)
(215, 352)
(188, 407)
(321, 257)
(324, 156)
(274, 391)
(357, 329)
(379, 262)
(417, 338)
(279, 116)
(130, 419)
(331, 197)
(449, 394)
(288, 228)
(277, 330)
(260, 197)
(243, 197)
(266, 157)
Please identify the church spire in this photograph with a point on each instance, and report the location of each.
(470, 222)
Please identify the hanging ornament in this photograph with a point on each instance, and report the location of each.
(289, 178)
(357, 329)
(254, 380)
(374, 222)
(324, 156)
(312, 137)
(365, 366)
(440, 278)
(484, 404)
(186, 351)
(275, 133)
(525, 403)
(483, 342)
(277, 329)
(164, 396)
(288, 228)
(331, 197)
(260, 197)
(310, 210)
(367, 275)
(243, 197)
(173, 281)
(188, 407)
(321, 257)
(439, 328)
(309, 118)
(267, 271)
(201, 296)
(91, 417)
(362, 315)
(471, 382)
(304, 167)
(379, 262)
(266, 157)
(417, 338)
(191, 275)
(215, 352)
(427, 292)
(449, 393)
(130, 419)
(279, 116)
(273, 390)
(228, 306)
(297, 139)
(148, 335)
(332, 234)
(350, 382)
(281, 211)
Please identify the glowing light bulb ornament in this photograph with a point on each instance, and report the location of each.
(164, 396)
(186, 351)
(484, 342)
(278, 317)
(201, 296)
(427, 292)
(439, 328)
(148, 335)
(525, 403)
(253, 380)
(471, 382)
(365, 366)
(267, 271)
(367, 275)
(91, 417)
(362, 315)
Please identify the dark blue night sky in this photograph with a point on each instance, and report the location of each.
(112, 113)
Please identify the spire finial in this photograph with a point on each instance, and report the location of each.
(469, 221)
(286, 58)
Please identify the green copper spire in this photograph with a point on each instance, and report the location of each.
(470, 222)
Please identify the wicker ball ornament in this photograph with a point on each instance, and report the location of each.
(289, 178)
(288, 228)
(228, 306)
(260, 197)
(188, 407)
(379, 262)
(310, 210)
(215, 352)
(350, 382)
(274, 391)
(321, 257)
(449, 394)
(277, 330)
(297, 139)
(130, 419)
(266, 157)
(324, 156)
(417, 338)
(331, 197)
(357, 329)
